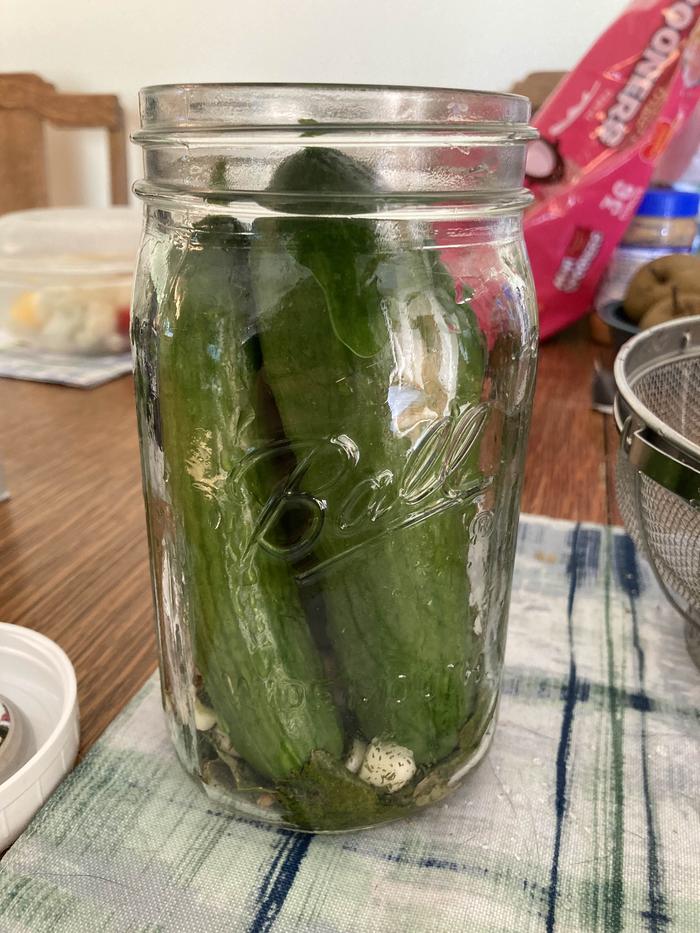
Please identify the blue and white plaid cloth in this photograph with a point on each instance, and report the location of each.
(584, 816)
(83, 372)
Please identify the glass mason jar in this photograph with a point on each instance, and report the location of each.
(335, 342)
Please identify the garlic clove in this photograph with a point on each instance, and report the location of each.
(204, 717)
(357, 753)
(387, 765)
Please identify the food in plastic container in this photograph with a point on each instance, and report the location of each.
(65, 278)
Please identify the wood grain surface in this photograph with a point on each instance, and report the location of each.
(73, 557)
(567, 473)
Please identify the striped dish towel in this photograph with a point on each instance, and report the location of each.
(82, 372)
(584, 815)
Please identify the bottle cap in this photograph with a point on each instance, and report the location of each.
(38, 724)
(669, 202)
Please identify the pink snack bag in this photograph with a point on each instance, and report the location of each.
(602, 131)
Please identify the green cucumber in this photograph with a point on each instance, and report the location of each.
(260, 668)
(333, 300)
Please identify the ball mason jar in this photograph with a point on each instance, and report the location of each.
(335, 345)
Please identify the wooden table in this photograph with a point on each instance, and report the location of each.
(73, 559)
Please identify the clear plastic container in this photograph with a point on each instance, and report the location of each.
(65, 278)
(335, 340)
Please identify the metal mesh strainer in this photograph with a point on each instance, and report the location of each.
(657, 410)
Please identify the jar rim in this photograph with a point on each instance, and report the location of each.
(232, 107)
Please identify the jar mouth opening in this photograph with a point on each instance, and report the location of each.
(330, 108)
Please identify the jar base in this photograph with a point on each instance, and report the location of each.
(249, 806)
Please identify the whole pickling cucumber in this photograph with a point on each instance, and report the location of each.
(252, 646)
(362, 339)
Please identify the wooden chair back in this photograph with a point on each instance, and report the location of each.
(27, 102)
(538, 86)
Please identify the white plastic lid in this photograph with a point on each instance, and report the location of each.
(38, 681)
(69, 241)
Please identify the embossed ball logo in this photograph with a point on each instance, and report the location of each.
(337, 510)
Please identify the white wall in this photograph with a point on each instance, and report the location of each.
(117, 46)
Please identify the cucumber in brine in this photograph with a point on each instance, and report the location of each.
(260, 668)
(362, 339)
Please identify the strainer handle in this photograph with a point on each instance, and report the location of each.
(649, 453)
